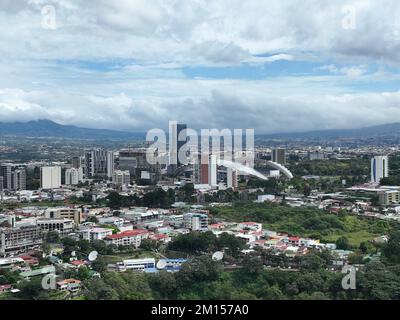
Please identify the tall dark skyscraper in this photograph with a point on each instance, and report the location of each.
(279, 156)
(5, 172)
(179, 128)
(174, 144)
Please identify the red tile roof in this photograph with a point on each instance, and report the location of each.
(78, 262)
(159, 236)
(129, 233)
(4, 287)
(68, 281)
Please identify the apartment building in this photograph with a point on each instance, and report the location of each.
(195, 221)
(64, 226)
(128, 238)
(74, 214)
(15, 241)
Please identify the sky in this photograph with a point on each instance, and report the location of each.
(132, 65)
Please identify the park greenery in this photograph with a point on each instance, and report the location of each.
(203, 278)
(306, 222)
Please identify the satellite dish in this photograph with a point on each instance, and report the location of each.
(161, 264)
(93, 256)
(218, 256)
(73, 254)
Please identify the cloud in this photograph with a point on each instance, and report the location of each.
(172, 30)
(352, 72)
(218, 52)
(124, 64)
(214, 108)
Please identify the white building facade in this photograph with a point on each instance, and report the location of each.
(379, 168)
(50, 177)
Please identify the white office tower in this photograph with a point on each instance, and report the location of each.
(173, 143)
(121, 178)
(73, 176)
(212, 171)
(110, 164)
(50, 177)
(379, 168)
(231, 178)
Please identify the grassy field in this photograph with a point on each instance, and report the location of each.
(306, 222)
(125, 256)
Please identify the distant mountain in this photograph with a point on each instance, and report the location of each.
(47, 128)
(387, 130)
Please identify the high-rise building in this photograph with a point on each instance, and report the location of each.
(231, 178)
(205, 170)
(212, 171)
(200, 173)
(73, 176)
(12, 179)
(379, 168)
(50, 177)
(121, 178)
(110, 164)
(278, 155)
(135, 161)
(98, 163)
(181, 141)
(76, 162)
(176, 142)
(1, 188)
(5, 172)
(127, 160)
(18, 179)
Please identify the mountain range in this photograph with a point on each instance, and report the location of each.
(384, 130)
(48, 128)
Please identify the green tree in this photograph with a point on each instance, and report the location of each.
(232, 244)
(343, 243)
(53, 237)
(391, 250)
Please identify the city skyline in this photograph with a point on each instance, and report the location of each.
(264, 65)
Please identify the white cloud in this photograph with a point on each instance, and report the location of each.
(216, 103)
(171, 29)
(352, 72)
(153, 41)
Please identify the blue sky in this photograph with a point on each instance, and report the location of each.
(134, 65)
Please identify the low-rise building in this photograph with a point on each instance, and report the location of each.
(65, 213)
(15, 241)
(253, 226)
(389, 197)
(93, 234)
(134, 264)
(63, 226)
(71, 285)
(195, 221)
(128, 238)
(116, 221)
